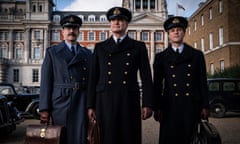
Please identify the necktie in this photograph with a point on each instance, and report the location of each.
(118, 41)
(177, 51)
(73, 50)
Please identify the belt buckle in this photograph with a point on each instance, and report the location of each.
(76, 86)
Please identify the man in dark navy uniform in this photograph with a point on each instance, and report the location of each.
(113, 94)
(64, 79)
(180, 86)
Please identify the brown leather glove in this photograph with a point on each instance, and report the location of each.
(45, 117)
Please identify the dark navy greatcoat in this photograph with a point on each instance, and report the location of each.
(63, 89)
(180, 87)
(114, 89)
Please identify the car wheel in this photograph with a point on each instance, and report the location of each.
(35, 111)
(218, 110)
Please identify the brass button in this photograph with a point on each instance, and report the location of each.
(188, 74)
(109, 82)
(173, 75)
(127, 63)
(128, 54)
(124, 82)
(109, 73)
(187, 94)
(176, 94)
(187, 84)
(174, 84)
(83, 78)
(189, 65)
(84, 68)
(109, 63)
(125, 72)
(172, 66)
(109, 55)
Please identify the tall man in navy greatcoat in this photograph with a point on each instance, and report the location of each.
(180, 86)
(113, 94)
(64, 78)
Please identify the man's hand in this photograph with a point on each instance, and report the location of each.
(44, 117)
(91, 114)
(204, 114)
(146, 113)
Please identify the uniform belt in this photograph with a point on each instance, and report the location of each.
(74, 86)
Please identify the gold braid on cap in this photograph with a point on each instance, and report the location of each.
(175, 21)
(71, 20)
(116, 11)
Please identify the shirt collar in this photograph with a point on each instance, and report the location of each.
(69, 45)
(121, 38)
(180, 48)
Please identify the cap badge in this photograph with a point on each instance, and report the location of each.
(116, 11)
(71, 20)
(175, 21)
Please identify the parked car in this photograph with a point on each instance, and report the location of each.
(224, 96)
(9, 117)
(26, 103)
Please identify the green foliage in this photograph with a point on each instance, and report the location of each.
(230, 72)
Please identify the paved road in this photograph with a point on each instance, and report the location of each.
(229, 129)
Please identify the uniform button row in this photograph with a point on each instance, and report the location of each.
(186, 94)
(123, 82)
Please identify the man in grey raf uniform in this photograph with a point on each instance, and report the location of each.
(64, 78)
(180, 86)
(114, 95)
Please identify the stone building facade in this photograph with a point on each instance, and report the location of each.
(29, 27)
(214, 29)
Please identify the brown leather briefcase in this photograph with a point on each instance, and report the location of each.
(93, 132)
(45, 134)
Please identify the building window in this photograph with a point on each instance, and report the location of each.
(220, 36)
(211, 69)
(144, 36)
(36, 35)
(18, 36)
(189, 30)
(34, 8)
(3, 35)
(158, 50)
(56, 18)
(3, 51)
(35, 75)
(36, 53)
(138, 4)
(103, 18)
(210, 13)
(195, 44)
(103, 36)
(145, 4)
(18, 53)
(202, 44)
(195, 25)
(91, 18)
(152, 4)
(91, 36)
(80, 36)
(82, 17)
(220, 6)
(211, 40)
(131, 34)
(55, 35)
(15, 75)
(221, 65)
(202, 20)
(40, 8)
(158, 36)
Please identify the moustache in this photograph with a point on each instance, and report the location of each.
(71, 34)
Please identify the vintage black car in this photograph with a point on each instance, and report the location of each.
(224, 96)
(9, 117)
(26, 103)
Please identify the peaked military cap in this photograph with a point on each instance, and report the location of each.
(119, 12)
(176, 21)
(71, 21)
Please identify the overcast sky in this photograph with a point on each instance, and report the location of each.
(103, 5)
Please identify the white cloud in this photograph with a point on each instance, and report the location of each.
(92, 5)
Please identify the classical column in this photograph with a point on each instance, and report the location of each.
(138, 34)
(152, 43)
(148, 5)
(141, 7)
(10, 47)
(27, 45)
(46, 42)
